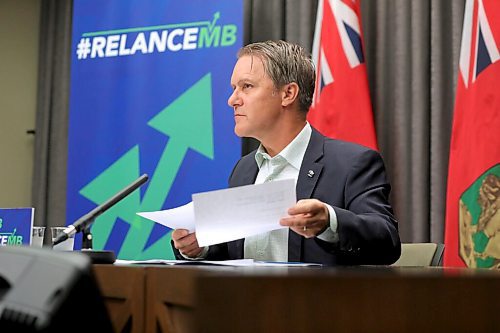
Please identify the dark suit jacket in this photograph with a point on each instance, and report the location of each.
(351, 179)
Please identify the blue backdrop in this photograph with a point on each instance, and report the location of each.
(149, 89)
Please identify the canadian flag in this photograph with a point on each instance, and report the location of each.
(341, 105)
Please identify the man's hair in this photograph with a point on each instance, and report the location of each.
(285, 63)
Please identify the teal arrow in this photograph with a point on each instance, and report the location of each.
(187, 121)
(120, 174)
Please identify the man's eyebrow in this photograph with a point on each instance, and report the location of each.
(241, 81)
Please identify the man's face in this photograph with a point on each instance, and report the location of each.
(255, 100)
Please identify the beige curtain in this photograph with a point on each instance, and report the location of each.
(412, 57)
(49, 176)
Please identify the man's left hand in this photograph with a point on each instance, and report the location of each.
(309, 217)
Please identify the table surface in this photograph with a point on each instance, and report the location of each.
(189, 298)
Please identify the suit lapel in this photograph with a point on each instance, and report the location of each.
(309, 174)
(248, 173)
(311, 167)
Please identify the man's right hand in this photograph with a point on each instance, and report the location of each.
(186, 243)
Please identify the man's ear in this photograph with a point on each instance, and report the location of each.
(289, 93)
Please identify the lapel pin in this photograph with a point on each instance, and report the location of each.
(310, 173)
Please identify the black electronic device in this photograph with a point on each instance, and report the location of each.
(49, 291)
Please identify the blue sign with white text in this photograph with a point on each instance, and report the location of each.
(149, 88)
(15, 226)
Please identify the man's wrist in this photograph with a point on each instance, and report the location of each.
(329, 233)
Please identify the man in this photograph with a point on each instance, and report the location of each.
(342, 216)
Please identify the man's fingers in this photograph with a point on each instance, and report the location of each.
(193, 253)
(300, 222)
(193, 247)
(309, 231)
(183, 239)
(293, 221)
(305, 206)
(301, 207)
(186, 242)
(307, 218)
(179, 234)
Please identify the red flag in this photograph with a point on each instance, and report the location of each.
(472, 235)
(341, 105)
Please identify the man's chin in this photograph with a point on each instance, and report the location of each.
(240, 131)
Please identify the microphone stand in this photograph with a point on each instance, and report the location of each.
(87, 238)
(83, 224)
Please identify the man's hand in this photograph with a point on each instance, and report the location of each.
(309, 217)
(186, 243)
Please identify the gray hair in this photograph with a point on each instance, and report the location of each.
(285, 63)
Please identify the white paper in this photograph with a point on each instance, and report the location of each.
(230, 214)
(237, 262)
(176, 218)
(284, 264)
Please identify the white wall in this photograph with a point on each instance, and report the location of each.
(19, 29)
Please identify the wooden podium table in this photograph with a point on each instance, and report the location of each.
(124, 291)
(280, 299)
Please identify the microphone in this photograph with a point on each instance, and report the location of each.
(84, 221)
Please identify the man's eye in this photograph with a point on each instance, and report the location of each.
(247, 85)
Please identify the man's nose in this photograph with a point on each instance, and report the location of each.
(232, 101)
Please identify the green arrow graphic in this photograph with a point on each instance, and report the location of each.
(187, 121)
(121, 173)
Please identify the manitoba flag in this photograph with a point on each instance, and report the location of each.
(341, 105)
(472, 235)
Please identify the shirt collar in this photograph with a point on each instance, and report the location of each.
(293, 153)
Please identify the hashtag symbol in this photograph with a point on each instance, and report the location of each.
(83, 48)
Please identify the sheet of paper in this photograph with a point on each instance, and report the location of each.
(176, 218)
(230, 214)
(237, 262)
(285, 264)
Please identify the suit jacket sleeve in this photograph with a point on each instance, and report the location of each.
(367, 229)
